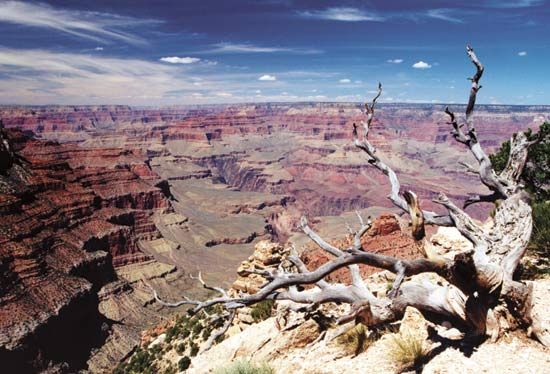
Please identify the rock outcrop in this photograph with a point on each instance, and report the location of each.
(70, 219)
(385, 236)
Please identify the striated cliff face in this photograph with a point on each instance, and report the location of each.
(301, 150)
(102, 196)
(70, 219)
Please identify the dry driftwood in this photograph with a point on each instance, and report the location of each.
(477, 281)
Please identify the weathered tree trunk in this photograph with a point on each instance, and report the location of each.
(479, 286)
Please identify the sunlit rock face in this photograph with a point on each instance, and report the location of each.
(70, 219)
(93, 199)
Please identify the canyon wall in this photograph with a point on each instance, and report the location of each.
(71, 223)
(97, 201)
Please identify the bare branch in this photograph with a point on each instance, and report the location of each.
(481, 199)
(486, 173)
(222, 330)
(469, 167)
(373, 159)
(317, 239)
(463, 222)
(217, 289)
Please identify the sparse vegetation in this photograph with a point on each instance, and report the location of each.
(194, 349)
(185, 337)
(355, 341)
(262, 310)
(536, 176)
(245, 367)
(407, 349)
(184, 363)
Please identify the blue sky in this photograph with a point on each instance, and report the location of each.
(172, 52)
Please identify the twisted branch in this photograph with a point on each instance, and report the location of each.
(373, 159)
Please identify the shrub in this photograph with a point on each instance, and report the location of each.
(171, 332)
(180, 348)
(245, 367)
(206, 333)
(262, 310)
(183, 363)
(197, 328)
(535, 175)
(185, 333)
(355, 341)
(407, 349)
(194, 350)
(540, 238)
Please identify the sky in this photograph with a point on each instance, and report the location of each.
(178, 52)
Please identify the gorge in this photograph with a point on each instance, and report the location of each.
(95, 200)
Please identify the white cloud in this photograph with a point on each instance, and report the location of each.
(252, 48)
(395, 61)
(224, 94)
(343, 14)
(509, 4)
(98, 49)
(421, 65)
(444, 15)
(180, 60)
(345, 80)
(96, 26)
(267, 77)
(522, 53)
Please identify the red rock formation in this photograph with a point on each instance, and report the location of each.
(385, 236)
(66, 221)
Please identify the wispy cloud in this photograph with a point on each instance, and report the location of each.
(267, 77)
(46, 77)
(345, 80)
(99, 27)
(252, 48)
(522, 53)
(343, 14)
(444, 14)
(38, 76)
(180, 60)
(395, 61)
(421, 65)
(511, 4)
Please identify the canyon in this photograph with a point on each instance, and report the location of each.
(96, 201)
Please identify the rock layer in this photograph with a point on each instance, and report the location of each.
(70, 218)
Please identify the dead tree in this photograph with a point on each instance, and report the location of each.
(479, 287)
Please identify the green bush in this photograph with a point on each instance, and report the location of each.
(183, 363)
(194, 349)
(262, 310)
(536, 177)
(140, 362)
(180, 348)
(197, 328)
(171, 332)
(540, 238)
(245, 367)
(206, 332)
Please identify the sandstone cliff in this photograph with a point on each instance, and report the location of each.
(72, 221)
